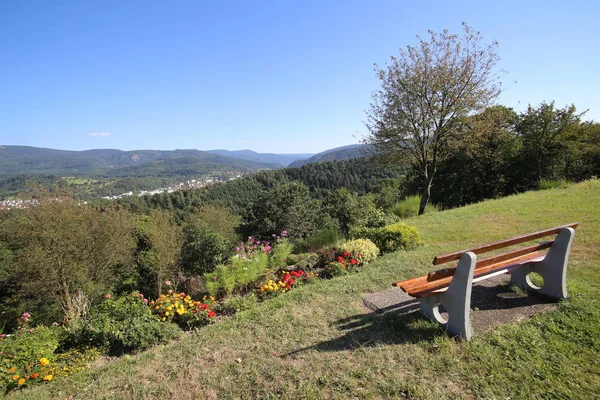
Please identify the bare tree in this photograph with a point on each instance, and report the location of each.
(424, 92)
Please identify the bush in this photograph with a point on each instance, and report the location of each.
(247, 266)
(120, 325)
(305, 261)
(398, 236)
(28, 357)
(409, 207)
(392, 237)
(366, 248)
(319, 240)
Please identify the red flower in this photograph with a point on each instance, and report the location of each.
(204, 306)
(211, 314)
(347, 254)
(340, 259)
(353, 262)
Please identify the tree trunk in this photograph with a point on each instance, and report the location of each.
(425, 195)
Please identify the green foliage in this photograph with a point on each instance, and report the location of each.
(280, 252)
(392, 237)
(157, 255)
(323, 238)
(62, 247)
(303, 261)
(27, 347)
(288, 206)
(366, 248)
(203, 248)
(119, 325)
(409, 207)
(235, 304)
(240, 273)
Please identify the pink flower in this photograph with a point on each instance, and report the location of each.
(267, 248)
(215, 278)
(141, 296)
(107, 296)
(145, 301)
(168, 283)
(169, 291)
(284, 233)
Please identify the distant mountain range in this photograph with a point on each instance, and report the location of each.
(109, 162)
(115, 171)
(339, 153)
(282, 160)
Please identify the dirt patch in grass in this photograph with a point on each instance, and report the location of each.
(493, 303)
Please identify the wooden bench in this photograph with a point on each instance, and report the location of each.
(451, 287)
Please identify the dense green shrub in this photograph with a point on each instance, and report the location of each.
(409, 207)
(120, 325)
(203, 248)
(390, 238)
(398, 236)
(321, 239)
(365, 247)
(304, 261)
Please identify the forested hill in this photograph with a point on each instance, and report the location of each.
(280, 159)
(337, 154)
(108, 162)
(358, 176)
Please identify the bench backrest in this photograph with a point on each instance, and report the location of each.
(504, 243)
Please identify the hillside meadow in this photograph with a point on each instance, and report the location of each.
(319, 341)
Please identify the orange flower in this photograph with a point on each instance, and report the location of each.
(11, 370)
(35, 375)
(15, 377)
(21, 381)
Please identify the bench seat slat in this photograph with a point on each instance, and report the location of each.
(502, 243)
(420, 290)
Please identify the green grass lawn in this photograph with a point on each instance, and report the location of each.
(318, 341)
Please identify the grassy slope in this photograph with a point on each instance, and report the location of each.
(318, 341)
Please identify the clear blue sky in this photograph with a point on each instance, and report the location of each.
(270, 76)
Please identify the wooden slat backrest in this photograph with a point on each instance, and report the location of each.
(442, 273)
(417, 291)
(501, 244)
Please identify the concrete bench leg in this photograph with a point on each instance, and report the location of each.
(553, 268)
(456, 300)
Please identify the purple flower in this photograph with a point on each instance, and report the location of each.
(284, 233)
(267, 248)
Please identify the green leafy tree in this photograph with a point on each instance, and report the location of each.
(158, 251)
(546, 132)
(424, 92)
(63, 247)
(203, 248)
(285, 207)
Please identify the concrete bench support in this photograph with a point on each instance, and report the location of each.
(456, 300)
(553, 268)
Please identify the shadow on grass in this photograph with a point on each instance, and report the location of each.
(402, 323)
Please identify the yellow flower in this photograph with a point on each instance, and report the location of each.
(44, 362)
(163, 318)
(11, 370)
(48, 378)
(21, 381)
(212, 298)
(15, 377)
(167, 313)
